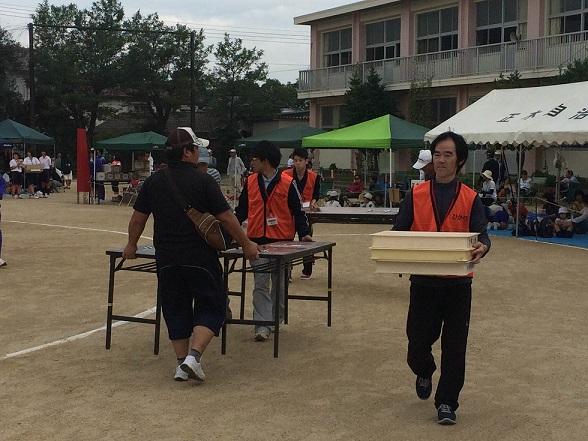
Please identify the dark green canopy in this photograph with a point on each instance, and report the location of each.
(17, 133)
(384, 132)
(133, 142)
(287, 137)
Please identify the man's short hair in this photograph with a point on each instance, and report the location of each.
(300, 152)
(461, 147)
(265, 150)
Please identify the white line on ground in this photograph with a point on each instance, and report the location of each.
(75, 337)
(83, 334)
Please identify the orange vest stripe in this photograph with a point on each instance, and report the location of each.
(457, 218)
(275, 206)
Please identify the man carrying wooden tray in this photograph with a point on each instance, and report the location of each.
(442, 302)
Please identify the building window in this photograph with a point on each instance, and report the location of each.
(382, 40)
(437, 30)
(332, 116)
(337, 48)
(568, 16)
(500, 21)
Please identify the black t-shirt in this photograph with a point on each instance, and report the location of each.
(175, 238)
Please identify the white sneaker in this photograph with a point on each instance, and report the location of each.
(180, 375)
(3, 262)
(194, 369)
(262, 334)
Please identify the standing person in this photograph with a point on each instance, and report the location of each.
(16, 177)
(235, 170)
(440, 306)
(308, 184)
(31, 178)
(151, 162)
(45, 174)
(271, 204)
(58, 163)
(116, 163)
(67, 171)
(188, 271)
(424, 165)
(99, 167)
(491, 164)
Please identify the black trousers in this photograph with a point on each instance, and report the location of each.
(440, 311)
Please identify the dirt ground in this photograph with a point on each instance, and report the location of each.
(526, 365)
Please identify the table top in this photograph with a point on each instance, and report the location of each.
(143, 251)
(286, 249)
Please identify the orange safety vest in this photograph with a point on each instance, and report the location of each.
(274, 207)
(458, 215)
(308, 190)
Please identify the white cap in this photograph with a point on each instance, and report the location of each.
(200, 142)
(487, 174)
(563, 210)
(368, 195)
(232, 151)
(425, 157)
(290, 162)
(332, 193)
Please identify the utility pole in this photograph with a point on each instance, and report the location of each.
(192, 91)
(31, 77)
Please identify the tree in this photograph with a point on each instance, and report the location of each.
(268, 99)
(420, 105)
(11, 102)
(156, 67)
(574, 72)
(235, 81)
(77, 68)
(364, 101)
(512, 81)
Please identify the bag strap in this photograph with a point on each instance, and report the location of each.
(175, 191)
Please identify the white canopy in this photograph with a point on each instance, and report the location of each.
(532, 116)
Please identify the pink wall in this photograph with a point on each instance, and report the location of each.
(467, 24)
(315, 47)
(535, 18)
(357, 31)
(314, 118)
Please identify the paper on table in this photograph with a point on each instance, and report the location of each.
(305, 204)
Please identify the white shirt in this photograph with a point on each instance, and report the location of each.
(31, 161)
(45, 162)
(332, 204)
(525, 184)
(583, 216)
(489, 187)
(238, 163)
(150, 159)
(15, 166)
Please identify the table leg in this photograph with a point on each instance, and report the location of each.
(157, 321)
(110, 301)
(226, 286)
(329, 285)
(286, 286)
(243, 280)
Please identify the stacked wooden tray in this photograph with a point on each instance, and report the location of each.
(423, 253)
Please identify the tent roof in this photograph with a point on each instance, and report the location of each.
(142, 141)
(17, 133)
(383, 132)
(532, 116)
(287, 137)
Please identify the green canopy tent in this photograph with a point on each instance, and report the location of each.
(133, 142)
(385, 132)
(12, 132)
(287, 137)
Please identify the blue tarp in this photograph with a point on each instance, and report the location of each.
(579, 240)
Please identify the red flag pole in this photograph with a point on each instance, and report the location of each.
(82, 163)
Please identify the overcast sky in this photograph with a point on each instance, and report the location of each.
(266, 24)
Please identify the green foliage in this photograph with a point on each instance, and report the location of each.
(366, 100)
(11, 103)
(420, 106)
(574, 72)
(512, 81)
(235, 81)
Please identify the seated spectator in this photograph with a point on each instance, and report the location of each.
(563, 225)
(368, 201)
(505, 191)
(550, 206)
(332, 199)
(581, 222)
(525, 185)
(356, 186)
(488, 193)
(578, 202)
(498, 217)
(512, 209)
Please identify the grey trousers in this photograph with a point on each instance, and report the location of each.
(263, 296)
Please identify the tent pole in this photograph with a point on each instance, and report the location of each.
(518, 190)
(474, 171)
(389, 179)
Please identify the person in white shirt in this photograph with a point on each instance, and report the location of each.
(45, 174)
(235, 170)
(581, 222)
(333, 200)
(31, 178)
(150, 159)
(525, 184)
(488, 193)
(16, 177)
(368, 201)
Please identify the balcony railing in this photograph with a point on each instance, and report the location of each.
(527, 55)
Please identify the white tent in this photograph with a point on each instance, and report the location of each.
(528, 117)
(533, 116)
